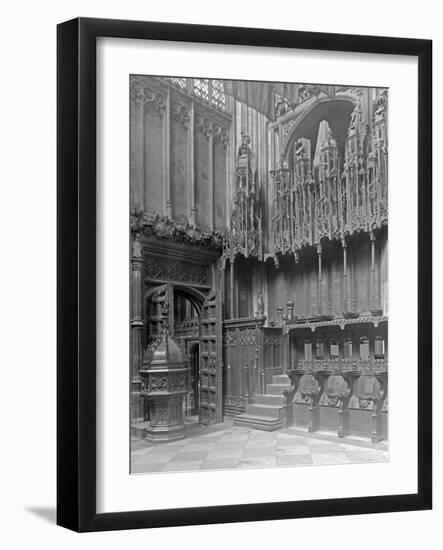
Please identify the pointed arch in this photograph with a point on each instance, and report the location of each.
(335, 110)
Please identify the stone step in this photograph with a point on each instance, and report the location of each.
(269, 399)
(272, 411)
(281, 379)
(258, 422)
(276, 389)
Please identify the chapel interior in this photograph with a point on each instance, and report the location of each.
(259, 270)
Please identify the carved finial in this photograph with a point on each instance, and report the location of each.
(136, 248)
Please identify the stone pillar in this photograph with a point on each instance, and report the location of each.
(320, 281)
(344, 245)
(136, 330)
(211, 176)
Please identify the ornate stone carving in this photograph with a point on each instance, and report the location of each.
(306, 91)
(221, 135)
(204, 126)
(180, 114)
(286, 128)
(144, 95)
(166, 228)
(327, 200)
(180, 271)
(245, 233)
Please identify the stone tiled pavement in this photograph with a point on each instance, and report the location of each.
(237, 447)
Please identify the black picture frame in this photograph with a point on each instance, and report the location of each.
(76, 281)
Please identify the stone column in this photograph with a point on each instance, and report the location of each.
(320, 281)
(136, 138)
(191, 178)
(136, 330)
(375, 305)
(167, 157)
(345, 274)
(211, 176)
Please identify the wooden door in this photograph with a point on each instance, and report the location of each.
(211, 362)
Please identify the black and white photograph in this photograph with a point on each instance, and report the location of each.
(221, 222)
(258, 272)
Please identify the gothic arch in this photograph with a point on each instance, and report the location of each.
(192, 294)
(323, 108)
(195, 296)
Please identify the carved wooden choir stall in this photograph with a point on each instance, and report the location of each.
(259, 257)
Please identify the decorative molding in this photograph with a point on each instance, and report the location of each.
(246, 336)
(180, 114)
(336, 390)
(367, 391)
(237, 401)
(204, 126)
(180, 271)
(145, 95)
(163, 227)
(308, 389)
(221, 135)
(272, 340)
(338, 322)
(331, 202)
(245, 233)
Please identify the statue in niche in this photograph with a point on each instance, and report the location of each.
(299, 148)
(354, 119)
(243, 148)
(136, 248)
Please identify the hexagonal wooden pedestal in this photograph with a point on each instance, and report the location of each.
(167, 422)
(165, 382)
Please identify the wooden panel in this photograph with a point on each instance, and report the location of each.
(328, 417)
(336, 286)
(361, 279)
(242, 356)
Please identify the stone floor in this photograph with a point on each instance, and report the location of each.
(225, 446)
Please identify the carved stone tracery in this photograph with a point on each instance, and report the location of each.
(245, 233)
(312, 202)
(180, 271)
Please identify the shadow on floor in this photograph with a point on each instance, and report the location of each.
(46, 513)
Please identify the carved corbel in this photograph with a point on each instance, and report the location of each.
(204, 126)
(144, 95)
(180, 114)
(221, 135)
